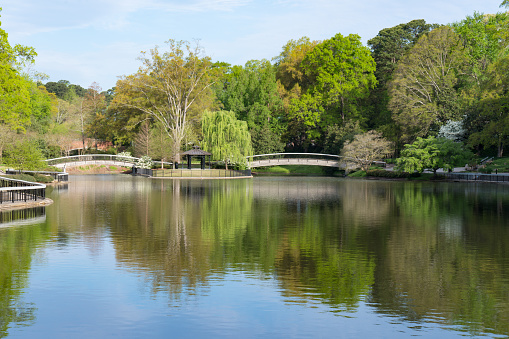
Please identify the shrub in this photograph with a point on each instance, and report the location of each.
(43, 178)
(145, 162)
(124, 156)
(389, 174)
(357, 174)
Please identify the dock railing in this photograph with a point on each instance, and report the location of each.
(58, 176)
(12, 190)
(477, 177)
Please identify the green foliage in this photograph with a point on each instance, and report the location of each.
(432, 153)
(336, 136)
(24, 155)
(297, 170)
(15, 102)
(273, 169)
(482, 34)
(391, 44)
(487, 120)
(251, 92)
(381, 173)
(36, 177)
(358, 174)
(342, 71)
(339, 72)
(42, 178)
(423, 89)
(15, 107)
(290, 73)
(64, 90)
(227, 138)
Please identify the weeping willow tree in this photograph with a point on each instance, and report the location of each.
(227, 138)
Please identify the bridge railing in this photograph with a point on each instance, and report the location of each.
(12, 190)
(90, 157)
(320, 156)
(127, 161)
(317, 159)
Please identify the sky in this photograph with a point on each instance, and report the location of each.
(99, 40)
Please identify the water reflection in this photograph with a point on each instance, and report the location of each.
(20, 234)
(25, 216)
(422, 252)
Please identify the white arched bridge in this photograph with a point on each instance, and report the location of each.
(96, 159)
(281, 159)
(254, 161)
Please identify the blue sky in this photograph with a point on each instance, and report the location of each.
(99, 40)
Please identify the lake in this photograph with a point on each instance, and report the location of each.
(272, 257)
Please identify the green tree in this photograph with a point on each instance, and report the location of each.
(290, 74)
(432, 153)
(25, 155)
(252, 93)
(21, 101)
(43, 107)
(489, 124)
(292, 83)
(342, 71)
(7, 136)
(487, 120)
(95, 105)
(387, 49)
(336, 136)
(482, 35)
(391, 44)
(15, 109)
(423, 94)
(227, 138)
(166, 87)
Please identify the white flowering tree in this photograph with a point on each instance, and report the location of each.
(452, 130)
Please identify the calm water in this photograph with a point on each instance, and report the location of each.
(125, 257)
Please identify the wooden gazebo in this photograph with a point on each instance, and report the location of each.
(199, 153)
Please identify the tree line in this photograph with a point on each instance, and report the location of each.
(412, 82)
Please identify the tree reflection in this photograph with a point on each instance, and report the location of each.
(17, 246)
(432, 268)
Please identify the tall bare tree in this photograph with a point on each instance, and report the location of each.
(365, 149)
(167, 85)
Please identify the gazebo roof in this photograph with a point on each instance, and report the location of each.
(196, 151)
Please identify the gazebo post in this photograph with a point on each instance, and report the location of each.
(189, 156)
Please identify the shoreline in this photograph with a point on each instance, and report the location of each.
(19, 205)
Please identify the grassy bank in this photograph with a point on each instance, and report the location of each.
(500, 165)
(97, 169)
